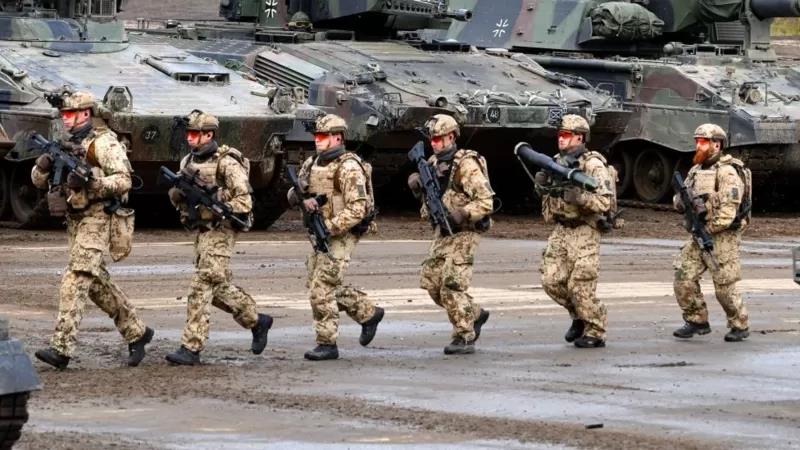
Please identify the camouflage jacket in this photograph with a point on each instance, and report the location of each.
(468, 185)
(111, 170)
(555, 209)
(227, 169)
(723, 188)
(344, 182)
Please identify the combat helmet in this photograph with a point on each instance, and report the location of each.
(441, 125)
(330, 123)
(575, 124)
(76, 101)
(200, 121)
(711, 131)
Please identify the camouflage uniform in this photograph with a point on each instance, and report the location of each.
(571, 259)
(447, 271)
(89, 231)
(721, 182)
(226, 168)
(344, 182)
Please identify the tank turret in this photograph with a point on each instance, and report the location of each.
(47, 46)
(673, 64)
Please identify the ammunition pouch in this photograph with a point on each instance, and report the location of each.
(122, 223)
(57, 202)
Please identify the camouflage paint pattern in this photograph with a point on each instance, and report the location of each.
(735, 80)
(212, 284)
(141, 89)
(725, 188)
(554, 207)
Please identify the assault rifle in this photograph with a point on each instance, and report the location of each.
(197, 195)
(437, 212)
(695, 212)
(529, 157)
(318, 233)
(64, 162)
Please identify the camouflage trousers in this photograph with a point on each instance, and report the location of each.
(447, 274)
(211, 285)
(570, 266)
(690, 265)
(86, 279)
(327, 294)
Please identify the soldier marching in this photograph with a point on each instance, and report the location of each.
(335, 184)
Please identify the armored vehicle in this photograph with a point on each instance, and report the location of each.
(347, 58)
(144, 91)
(17, 379)
(674, 64)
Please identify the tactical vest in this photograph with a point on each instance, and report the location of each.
(208, 172)
(454, 196)
(705, 182)
(81, 200)
(325, 180)
(560, 211)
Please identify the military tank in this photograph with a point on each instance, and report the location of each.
(144, 91)
(349, 58)
(17, 379)
(674, 64)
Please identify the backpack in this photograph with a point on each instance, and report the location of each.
(745, 212)
(366, 224)
(484, 224)
(610, 219)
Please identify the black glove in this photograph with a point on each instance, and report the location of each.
(75, 182)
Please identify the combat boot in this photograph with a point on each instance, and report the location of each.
(459, 346)
(260, 332)
(322, 352)
(136, 350)
(53, 357)
(589, 342)
(184, 357)
(737, 335)
(370, 327)
(689, 329)
(482, 318)
(575, 330)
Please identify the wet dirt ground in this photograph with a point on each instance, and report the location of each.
(524, 388)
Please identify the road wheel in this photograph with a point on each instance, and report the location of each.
(652, 175)
(623, 162)
(13, 415)
(270, 203)
(27, 202)
(4, 188)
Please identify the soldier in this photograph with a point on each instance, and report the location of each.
(227, 169)
(571, 259)
(346, 182)
(468, 197)
(90, 207)
(723, 184)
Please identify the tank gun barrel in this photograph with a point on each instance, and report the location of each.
(461, 15)
(765, 9)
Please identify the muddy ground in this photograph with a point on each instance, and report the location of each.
(524, 388)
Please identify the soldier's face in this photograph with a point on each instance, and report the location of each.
(197, 138)
(74, 118)
(441, 143)
(705, 149)
(326, 141)
(568, 140)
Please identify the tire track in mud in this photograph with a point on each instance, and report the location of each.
(245, 385)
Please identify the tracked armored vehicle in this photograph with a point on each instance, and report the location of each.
(674, 64)
(348, 58)
(144, 88)
(17, 380)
